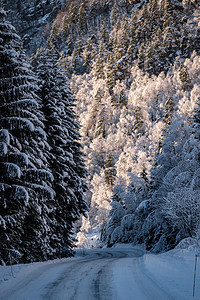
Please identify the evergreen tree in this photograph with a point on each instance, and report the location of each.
(100, 117)
(104, 35)
(26, 194)
(75, 62)
(53, 40)
(168, 177)
(66, 160)
(72, 18)
(109, 171)
(138, 124)
(133, 28)
(82, 16)
(169, 111)
(111, 72)
(112, 232)
(185, 79)
(155, 15)
(89, 54)
(145, 21)
(114, 16)
(100, 60)
(141, 57)
(64, 26)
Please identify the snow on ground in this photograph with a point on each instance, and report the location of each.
(173, 271)
(121, 273)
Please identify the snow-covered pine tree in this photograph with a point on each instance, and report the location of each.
(180, 207)
(66, 161)
(184, 78)
(72, 17)
(159, 229)
(100, 61)
(114, 16)
(82, 17)
(26, 196)
(109, 171)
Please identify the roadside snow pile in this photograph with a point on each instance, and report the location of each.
(9, 274)
(174, 272)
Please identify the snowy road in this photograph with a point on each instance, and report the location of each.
(104, 274)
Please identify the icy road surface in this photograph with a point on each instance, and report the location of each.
(103, 274)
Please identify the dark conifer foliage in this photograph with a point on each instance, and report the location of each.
(65, 159)
(26, 195)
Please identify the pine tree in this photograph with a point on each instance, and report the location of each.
(141, 57)
(100, 129)
(185, 79)
(53, 40)
(104, 37)
(65, 30)
(111, 72)
(146, 26)
(75, 62)
(161, 230)
(155, 15)
(100, 60)
(144, 174)
(169, 111)
(109, 171)
(72, 18)
(89, 54)
(66, 160)
(26, 194)
(133, 28)
(112, 232)
(171, 20)
(82, 16)
(138, 124)
(114, 16)
(196, 121)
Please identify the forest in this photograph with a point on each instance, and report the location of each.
(100, 128)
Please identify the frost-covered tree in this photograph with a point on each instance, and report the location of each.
(112, 232)
(66, 158)
(174, 203)
(114, 16)
(128, 209)
(82, 16)
(100, 61)
(109, 171)
(133, 115)
(184, 78)
(25, 181)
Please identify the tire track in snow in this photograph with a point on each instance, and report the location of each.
(102, 290)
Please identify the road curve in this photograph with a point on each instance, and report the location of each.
(103, 274)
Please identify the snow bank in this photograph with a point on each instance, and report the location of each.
(9, 274)
(174, 272)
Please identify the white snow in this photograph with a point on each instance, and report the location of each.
(4, 136)
(120, 273)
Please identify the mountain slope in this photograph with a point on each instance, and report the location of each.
(33, 19)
